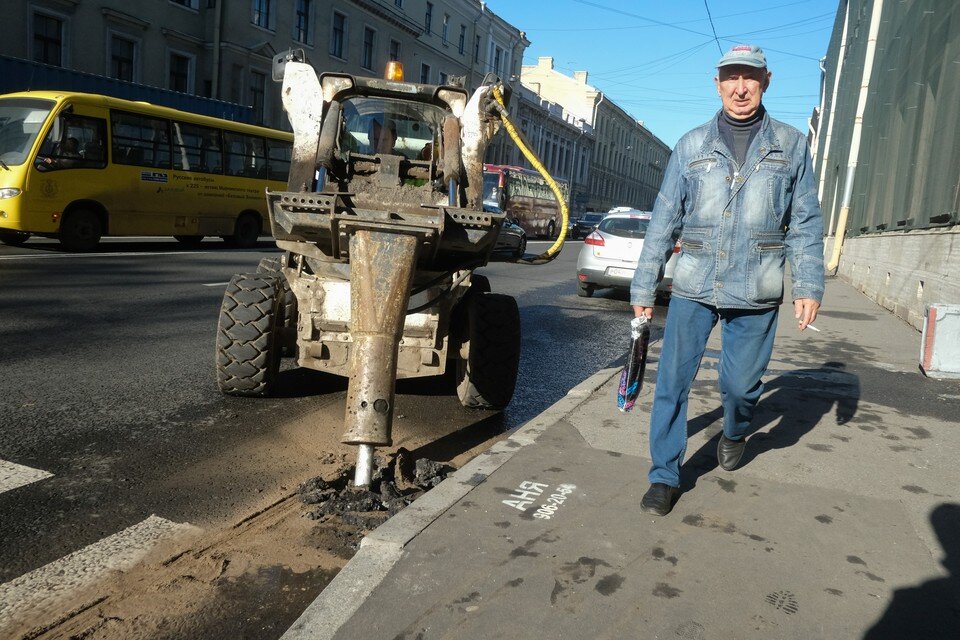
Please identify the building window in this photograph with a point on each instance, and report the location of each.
(190, 4)
(123, 58)
(428, 18)
(301, 26)
(47, 39)
(368, 40)
(258, 82)
(261, 13)
(443, 78)
(394, 50)
(338, 36)
(497, 60)
(445, 30)
(476, 48)
(180, 72)
(424, 73)
(463, 37)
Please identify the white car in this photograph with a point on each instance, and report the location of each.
(609, 254)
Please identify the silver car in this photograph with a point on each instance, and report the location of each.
(609, 254)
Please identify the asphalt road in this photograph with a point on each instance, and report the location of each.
(108, 385)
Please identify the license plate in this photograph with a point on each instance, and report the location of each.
(619, 272)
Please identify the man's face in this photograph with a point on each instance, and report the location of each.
(741, 88)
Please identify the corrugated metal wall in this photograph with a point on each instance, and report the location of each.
(908, 176)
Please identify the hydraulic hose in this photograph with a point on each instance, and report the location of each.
(531, 157)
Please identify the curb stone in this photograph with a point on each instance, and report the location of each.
(383, 548)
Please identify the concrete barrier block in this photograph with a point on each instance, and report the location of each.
(940, 341)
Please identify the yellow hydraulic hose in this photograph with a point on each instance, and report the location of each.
(528, 153)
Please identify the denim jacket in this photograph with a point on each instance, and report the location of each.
(736, 225)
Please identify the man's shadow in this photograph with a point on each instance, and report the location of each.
(932, 609)
(799, 401)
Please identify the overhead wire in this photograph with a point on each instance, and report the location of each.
(712, 27)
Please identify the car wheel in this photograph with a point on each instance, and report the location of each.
(521, 248)
(585, 289)
(486, 374)
(14, 238)
(248, 348)
(80, 231)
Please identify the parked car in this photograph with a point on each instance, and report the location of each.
(512, 238)
(609, 254)
(584, 224)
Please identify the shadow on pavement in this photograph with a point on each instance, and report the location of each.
(799, 401)
(932, 609)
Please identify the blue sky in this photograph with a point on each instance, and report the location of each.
(656, 58)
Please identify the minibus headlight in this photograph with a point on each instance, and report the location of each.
(9, 192)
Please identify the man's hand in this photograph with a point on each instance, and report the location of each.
(805, 311)
(643, 311)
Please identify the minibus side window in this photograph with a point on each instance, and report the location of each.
(140, 140)
(74, 142)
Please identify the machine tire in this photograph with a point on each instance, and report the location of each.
(14, 238)
(190, 241)
(479, 283)
(248, 350)
(246, 231)
(486, 378)
(522, 249)
(585, 289)
(273, 267)
(80, 230)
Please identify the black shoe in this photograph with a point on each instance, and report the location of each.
(658, 499)
(729, 452)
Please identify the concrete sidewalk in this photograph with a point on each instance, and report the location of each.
(842, 522)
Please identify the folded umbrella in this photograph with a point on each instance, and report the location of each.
(631, 380)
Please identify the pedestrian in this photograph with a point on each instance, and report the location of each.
(739, 194)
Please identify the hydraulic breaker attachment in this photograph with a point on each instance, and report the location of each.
(380, 290)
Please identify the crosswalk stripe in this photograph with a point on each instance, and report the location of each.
(59, 580)
(16, 475)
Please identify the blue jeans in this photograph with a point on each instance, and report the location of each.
(747, 343)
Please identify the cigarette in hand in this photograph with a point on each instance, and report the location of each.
(810, 326)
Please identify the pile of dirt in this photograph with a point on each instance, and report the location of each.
(397, 481)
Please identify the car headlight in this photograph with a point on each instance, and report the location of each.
(9, 192)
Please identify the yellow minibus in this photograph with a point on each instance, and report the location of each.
(78, 166)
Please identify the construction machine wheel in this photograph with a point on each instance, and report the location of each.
(14, 238)
(80, 230)
(246, 231)
(248, 345)
(274, 267)
(486, 370)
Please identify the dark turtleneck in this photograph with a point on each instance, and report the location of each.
(738, 134)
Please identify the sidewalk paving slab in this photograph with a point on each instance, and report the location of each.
(842, 522)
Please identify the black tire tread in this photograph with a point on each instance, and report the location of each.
(488, 377)
(247, 352)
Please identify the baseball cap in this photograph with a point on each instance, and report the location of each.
(746, 54)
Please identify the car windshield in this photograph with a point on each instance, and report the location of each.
(386, 126)
(625, 227)
(491, 188)
(592, 217)
(20, 122)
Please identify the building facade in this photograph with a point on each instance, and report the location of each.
(627, 161)
(563, 143)
(887, 151)
(223, 49)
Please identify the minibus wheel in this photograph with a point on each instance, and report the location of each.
(14, 238)
(80, 230)
(248, 335)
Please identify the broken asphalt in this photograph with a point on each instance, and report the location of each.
(843, 520)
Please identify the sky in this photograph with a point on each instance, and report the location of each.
(657, 58)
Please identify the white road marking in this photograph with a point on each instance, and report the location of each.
(60, 579)
(216, 284)
(16, 475)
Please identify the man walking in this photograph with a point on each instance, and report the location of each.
(739, 193)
